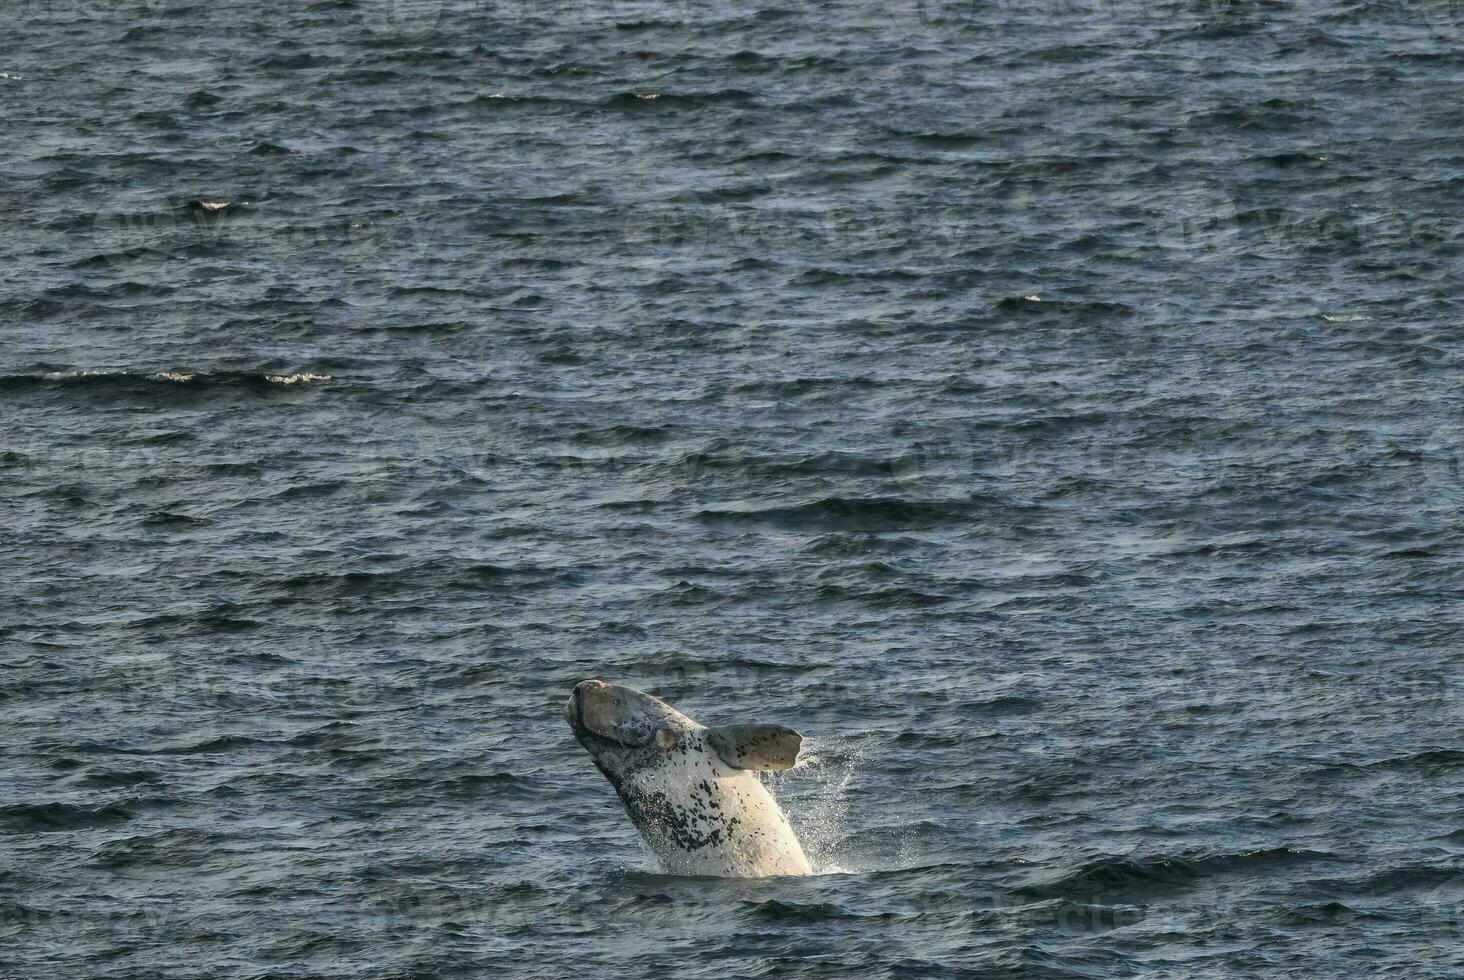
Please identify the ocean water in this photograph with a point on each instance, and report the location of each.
(1051, 409)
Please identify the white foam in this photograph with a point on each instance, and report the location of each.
(69, 375)
(295, 379)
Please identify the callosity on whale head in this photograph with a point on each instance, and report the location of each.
(689, 789)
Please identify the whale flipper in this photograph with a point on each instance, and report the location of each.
(758, 747)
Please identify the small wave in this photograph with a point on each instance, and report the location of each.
(857, 513)
(684, 593)
(941, 141)
(487, 786)
(1262, 858)
(1163, 872)
(423, 577)
(997, 707)
(1429, 760)
(638, 100)
(1326, 914)
(1402, 879)
(118, 778)
(220, 743)
(927, 740)
(882, 598)
(1077, 309)
(151, 380)
(776, 911)
(167, 518)
(1118, 874)
(828, 462)
(175, 848)
(41, 818)
(294, 62)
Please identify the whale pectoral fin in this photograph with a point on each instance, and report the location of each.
(763, 747)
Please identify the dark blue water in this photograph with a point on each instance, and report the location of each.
(1052, 410)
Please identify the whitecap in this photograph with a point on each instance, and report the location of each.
(293, 379)
(71, 375)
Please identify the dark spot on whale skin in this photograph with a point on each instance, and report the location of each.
(704, 818)
(654, 812)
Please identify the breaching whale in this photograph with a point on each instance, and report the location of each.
(689, 789)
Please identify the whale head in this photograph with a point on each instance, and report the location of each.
(623, 730)
(690, 789)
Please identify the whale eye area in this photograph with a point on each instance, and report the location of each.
(608, 714)
(632, 734)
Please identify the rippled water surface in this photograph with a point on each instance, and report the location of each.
(1051, 409)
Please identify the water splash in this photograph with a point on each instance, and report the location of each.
(815, 795)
